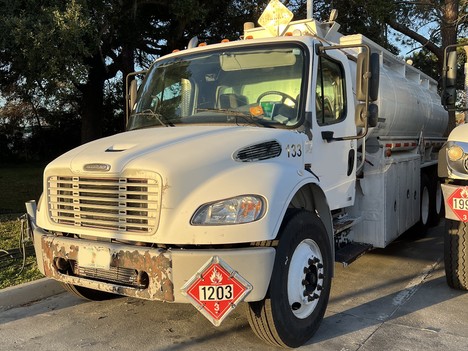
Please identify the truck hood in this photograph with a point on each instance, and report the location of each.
(161, 145)
(459, 133)
(190, 166)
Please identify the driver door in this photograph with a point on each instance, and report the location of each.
(334, 162)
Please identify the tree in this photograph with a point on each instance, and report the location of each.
(73, 47)
(444, 21)
(360, 16)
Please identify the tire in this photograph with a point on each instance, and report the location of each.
(436, 200)
(88, 294)
(420, 229)
(300, 283)
(456, 254)
(438, 210)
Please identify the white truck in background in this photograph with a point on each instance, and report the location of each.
(453, 168)
(247, 168)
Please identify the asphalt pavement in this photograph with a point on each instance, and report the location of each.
(389, 299)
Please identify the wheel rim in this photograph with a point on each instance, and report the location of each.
(425, 205)
(305, 278)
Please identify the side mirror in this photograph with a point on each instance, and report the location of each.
(132, 94)
(362, 85)
(372, 115)
(369, 86)
(449, 80)
(374, 81)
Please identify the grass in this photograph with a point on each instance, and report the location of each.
(12, 271)
(18, 184)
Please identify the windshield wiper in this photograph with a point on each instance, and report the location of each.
(247, 116)
(156, 116)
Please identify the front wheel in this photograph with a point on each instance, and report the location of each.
(456, 254)
(88, 294)
(300, 283)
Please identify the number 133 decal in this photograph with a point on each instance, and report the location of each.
(294, 150)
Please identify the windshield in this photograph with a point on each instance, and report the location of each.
(248, 85)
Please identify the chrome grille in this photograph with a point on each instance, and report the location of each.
(126, 205)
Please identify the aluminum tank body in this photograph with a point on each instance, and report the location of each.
(408, 104)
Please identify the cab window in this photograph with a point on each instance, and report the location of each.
(330, 99)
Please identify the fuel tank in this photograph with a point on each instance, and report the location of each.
(409, 104)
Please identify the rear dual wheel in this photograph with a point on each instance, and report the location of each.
(426, 205)
(432, 203)
(437, 210)
(300, 283)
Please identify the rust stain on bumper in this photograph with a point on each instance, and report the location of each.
(156, 263)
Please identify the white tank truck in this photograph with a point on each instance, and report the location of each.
(453, 169)
(247, 168)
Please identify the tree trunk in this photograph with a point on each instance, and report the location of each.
(128, 66)
(92, 100)
(448, 31)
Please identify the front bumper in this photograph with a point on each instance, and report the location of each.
(165, 271)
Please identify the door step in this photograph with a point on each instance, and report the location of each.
(351, 252)
(343, 223)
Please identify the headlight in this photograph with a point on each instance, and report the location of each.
(240, 209)
(455, 153)
(457, 158)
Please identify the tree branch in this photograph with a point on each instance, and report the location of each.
(417, 37)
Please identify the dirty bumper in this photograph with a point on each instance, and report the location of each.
(145, 273)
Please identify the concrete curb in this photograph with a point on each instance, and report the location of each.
(29, 292)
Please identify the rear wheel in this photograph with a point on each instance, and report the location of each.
(420, 229)
(437, 209)
(425, 201)
(300, 284)
(456, 254)
(88, 294)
